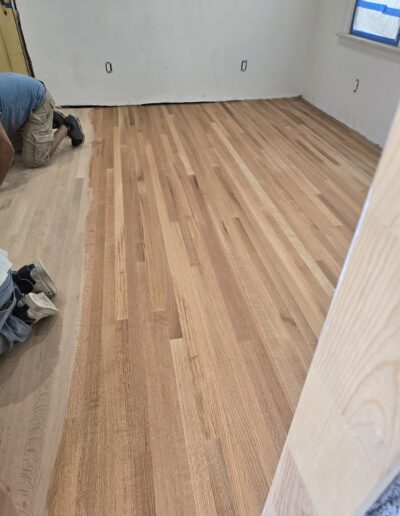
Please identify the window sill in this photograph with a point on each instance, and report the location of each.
(368, 43)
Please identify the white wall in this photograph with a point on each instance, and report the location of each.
(334, 65)
(190, 50)
(167, 50)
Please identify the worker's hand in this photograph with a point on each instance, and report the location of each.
(6, 153)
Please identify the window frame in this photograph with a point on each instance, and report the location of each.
(371, 37)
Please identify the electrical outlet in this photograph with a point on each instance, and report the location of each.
(109, 67)
(243, 67)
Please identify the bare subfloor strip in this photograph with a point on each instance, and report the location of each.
(42, 214)
(215, 239)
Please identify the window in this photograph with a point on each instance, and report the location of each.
(378, 20)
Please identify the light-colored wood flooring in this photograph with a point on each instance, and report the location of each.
(215, 238)
(42, 214)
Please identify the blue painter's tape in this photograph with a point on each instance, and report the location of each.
(382, 8)
(373, 37)
(8, 5)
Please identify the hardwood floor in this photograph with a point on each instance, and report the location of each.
(42, 214)
(214, 241)
(343, 448)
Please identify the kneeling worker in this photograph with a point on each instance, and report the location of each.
(27, 120)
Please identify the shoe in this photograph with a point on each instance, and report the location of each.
(35, 278)
(75, 131)
(58, 119)
(34, 307)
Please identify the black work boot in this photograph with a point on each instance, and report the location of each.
(75, 131)
(58, 119)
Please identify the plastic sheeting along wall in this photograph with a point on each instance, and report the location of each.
(165, 51)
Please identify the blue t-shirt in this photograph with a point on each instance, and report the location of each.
(19, 96)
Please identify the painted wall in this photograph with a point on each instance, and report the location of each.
(335, 64)
(168, 50)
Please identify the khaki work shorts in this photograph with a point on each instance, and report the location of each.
(35, 137)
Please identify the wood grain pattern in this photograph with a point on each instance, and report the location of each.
(213, 245)
(42, 214)
(217, 233)
(344, 444)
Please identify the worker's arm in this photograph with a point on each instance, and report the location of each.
(6, 153)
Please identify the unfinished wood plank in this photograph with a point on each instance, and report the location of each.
(42, 214)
